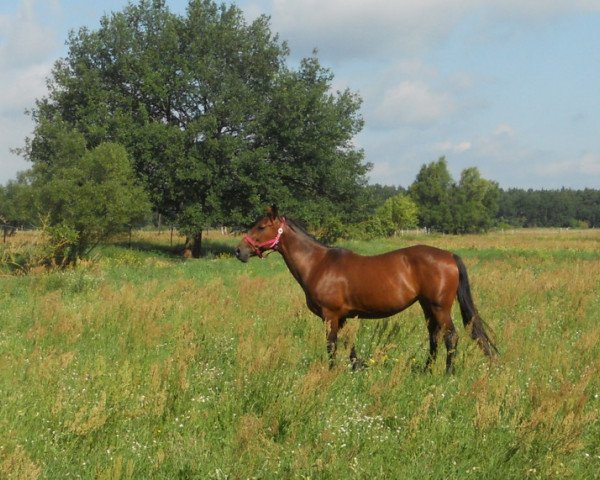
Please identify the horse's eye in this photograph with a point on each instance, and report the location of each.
(261, 227)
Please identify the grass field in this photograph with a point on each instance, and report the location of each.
(139, 365)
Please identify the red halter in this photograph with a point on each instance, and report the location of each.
(260, 248)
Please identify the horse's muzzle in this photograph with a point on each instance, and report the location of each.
(242, 254)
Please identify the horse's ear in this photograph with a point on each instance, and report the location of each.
(272, 212)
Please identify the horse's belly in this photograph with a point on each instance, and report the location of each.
(380, 310)
(380, 303)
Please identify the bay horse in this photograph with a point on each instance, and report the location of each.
(340, 284)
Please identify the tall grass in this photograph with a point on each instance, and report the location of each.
(140, 365)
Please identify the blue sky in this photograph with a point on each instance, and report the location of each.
(509, 86)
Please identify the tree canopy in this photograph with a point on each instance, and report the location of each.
(397, 213)
(214, 120)
(431, 191)
(444, 205)
(550, 208)
(475, 202)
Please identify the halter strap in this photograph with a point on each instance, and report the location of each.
(260, 248)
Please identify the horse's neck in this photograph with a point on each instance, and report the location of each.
(301, 254)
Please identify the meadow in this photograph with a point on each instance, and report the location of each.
(139, 365)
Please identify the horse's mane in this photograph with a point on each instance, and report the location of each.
(298, 228)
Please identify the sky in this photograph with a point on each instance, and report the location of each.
(511, 87)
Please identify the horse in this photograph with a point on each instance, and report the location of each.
(340, 284)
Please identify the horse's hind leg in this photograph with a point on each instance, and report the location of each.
(451, 340)
(444, 318)
(439, 320)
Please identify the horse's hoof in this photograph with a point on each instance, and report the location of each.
(358, 364)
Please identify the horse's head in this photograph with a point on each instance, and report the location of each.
(263, 236)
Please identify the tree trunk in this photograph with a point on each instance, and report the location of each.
(193, 246)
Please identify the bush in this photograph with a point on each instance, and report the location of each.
(397, 213)
(332, 230)
(61, 245)
(87, 196)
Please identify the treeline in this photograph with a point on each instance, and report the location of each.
(100, 195)
(473, 204)
(550, 208)
(529, 208)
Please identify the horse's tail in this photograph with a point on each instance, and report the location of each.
(470, 316)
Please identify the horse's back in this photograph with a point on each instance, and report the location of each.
(413, 257)
(425, 255)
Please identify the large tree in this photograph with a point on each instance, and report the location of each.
(432, 191)
(475, 202)
(470, 205)
(214, 120)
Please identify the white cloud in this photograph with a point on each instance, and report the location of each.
(449, 147)
(589, 164)
(504, 130)
(12, 135)
(349, 29)
(586, 164)
(20, 87)
(539, 9)
(412, 103)
(25, 39)
(502, 147)
(27, 48)
(506, 154)
(413, 68)
(411, 92)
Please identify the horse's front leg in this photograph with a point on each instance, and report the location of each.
(434, 329)
(333, 326)
(356, 362)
